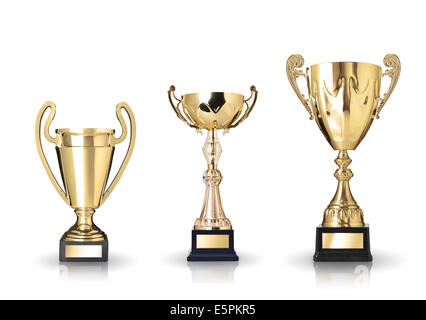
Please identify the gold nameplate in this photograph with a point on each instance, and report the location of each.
(212, 241)
(87, 251)
(343, 241)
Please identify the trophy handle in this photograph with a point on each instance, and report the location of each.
(248, 109)
(49, 138)
(125, 106)
(391, 61)
(293, 62)
(172, 95)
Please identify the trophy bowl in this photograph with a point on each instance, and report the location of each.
(212, 236)
(213, 110)
(344, 99)
(85, 157)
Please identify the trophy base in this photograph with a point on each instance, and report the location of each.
(212, 245)
(83, 251)
(342, 244)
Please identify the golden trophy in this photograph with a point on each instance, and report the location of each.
(212, 236)
(344, 99)
(85, 159)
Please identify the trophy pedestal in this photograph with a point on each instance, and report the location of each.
(342, 244)
(212, 245)
(78, 251)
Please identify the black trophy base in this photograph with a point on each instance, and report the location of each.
(83, 251)
(212, 245)
(342, 244)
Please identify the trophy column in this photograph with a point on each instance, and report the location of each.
(212, 237)
(343, 236)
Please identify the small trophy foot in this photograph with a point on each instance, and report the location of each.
(342, 244)
(77, 251)
(212, 245)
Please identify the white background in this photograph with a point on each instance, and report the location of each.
(87, 56)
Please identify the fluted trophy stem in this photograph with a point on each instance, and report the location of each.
(343, 211)
(212, 215)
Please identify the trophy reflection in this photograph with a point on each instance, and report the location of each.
(212, 236)
(344, 99)
(355, 274)
(83, 271)
(85, 158)
(213, 272)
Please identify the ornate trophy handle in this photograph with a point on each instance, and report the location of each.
(172, 95)
(49, 138)
(125, 106)
(391, 61)
(248, 109)
(293, 62)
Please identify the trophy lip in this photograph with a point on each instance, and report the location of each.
(85, 131)
(338, 62)
(212, 92)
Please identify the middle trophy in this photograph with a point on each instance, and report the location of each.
(212, 237)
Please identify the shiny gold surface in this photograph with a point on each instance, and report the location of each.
(343, 241)
(212, 241)
(343, 211)
(213, 111)
(85, 157)
(83, 251)
(212, 215)
(344, 99)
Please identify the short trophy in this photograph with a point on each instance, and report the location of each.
(212, 236)
(344, 99)
(85, 159)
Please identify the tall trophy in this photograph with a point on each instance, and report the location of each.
(212, 236)
(344, 99)
(85, 159)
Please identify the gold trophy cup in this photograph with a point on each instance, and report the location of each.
(212, 236)
(344, 99)
(85, 159)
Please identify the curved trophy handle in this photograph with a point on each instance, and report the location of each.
(125, 106)
(49, 138)
(293, 62)
(248, 109)
(172, 95)
(391, 61)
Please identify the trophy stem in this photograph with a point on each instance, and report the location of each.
(84, 229)
(84, 217)
(212, 215)
(343, 211)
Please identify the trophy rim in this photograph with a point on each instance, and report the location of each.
(339, 62)
(211, 93)
(85, 131)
